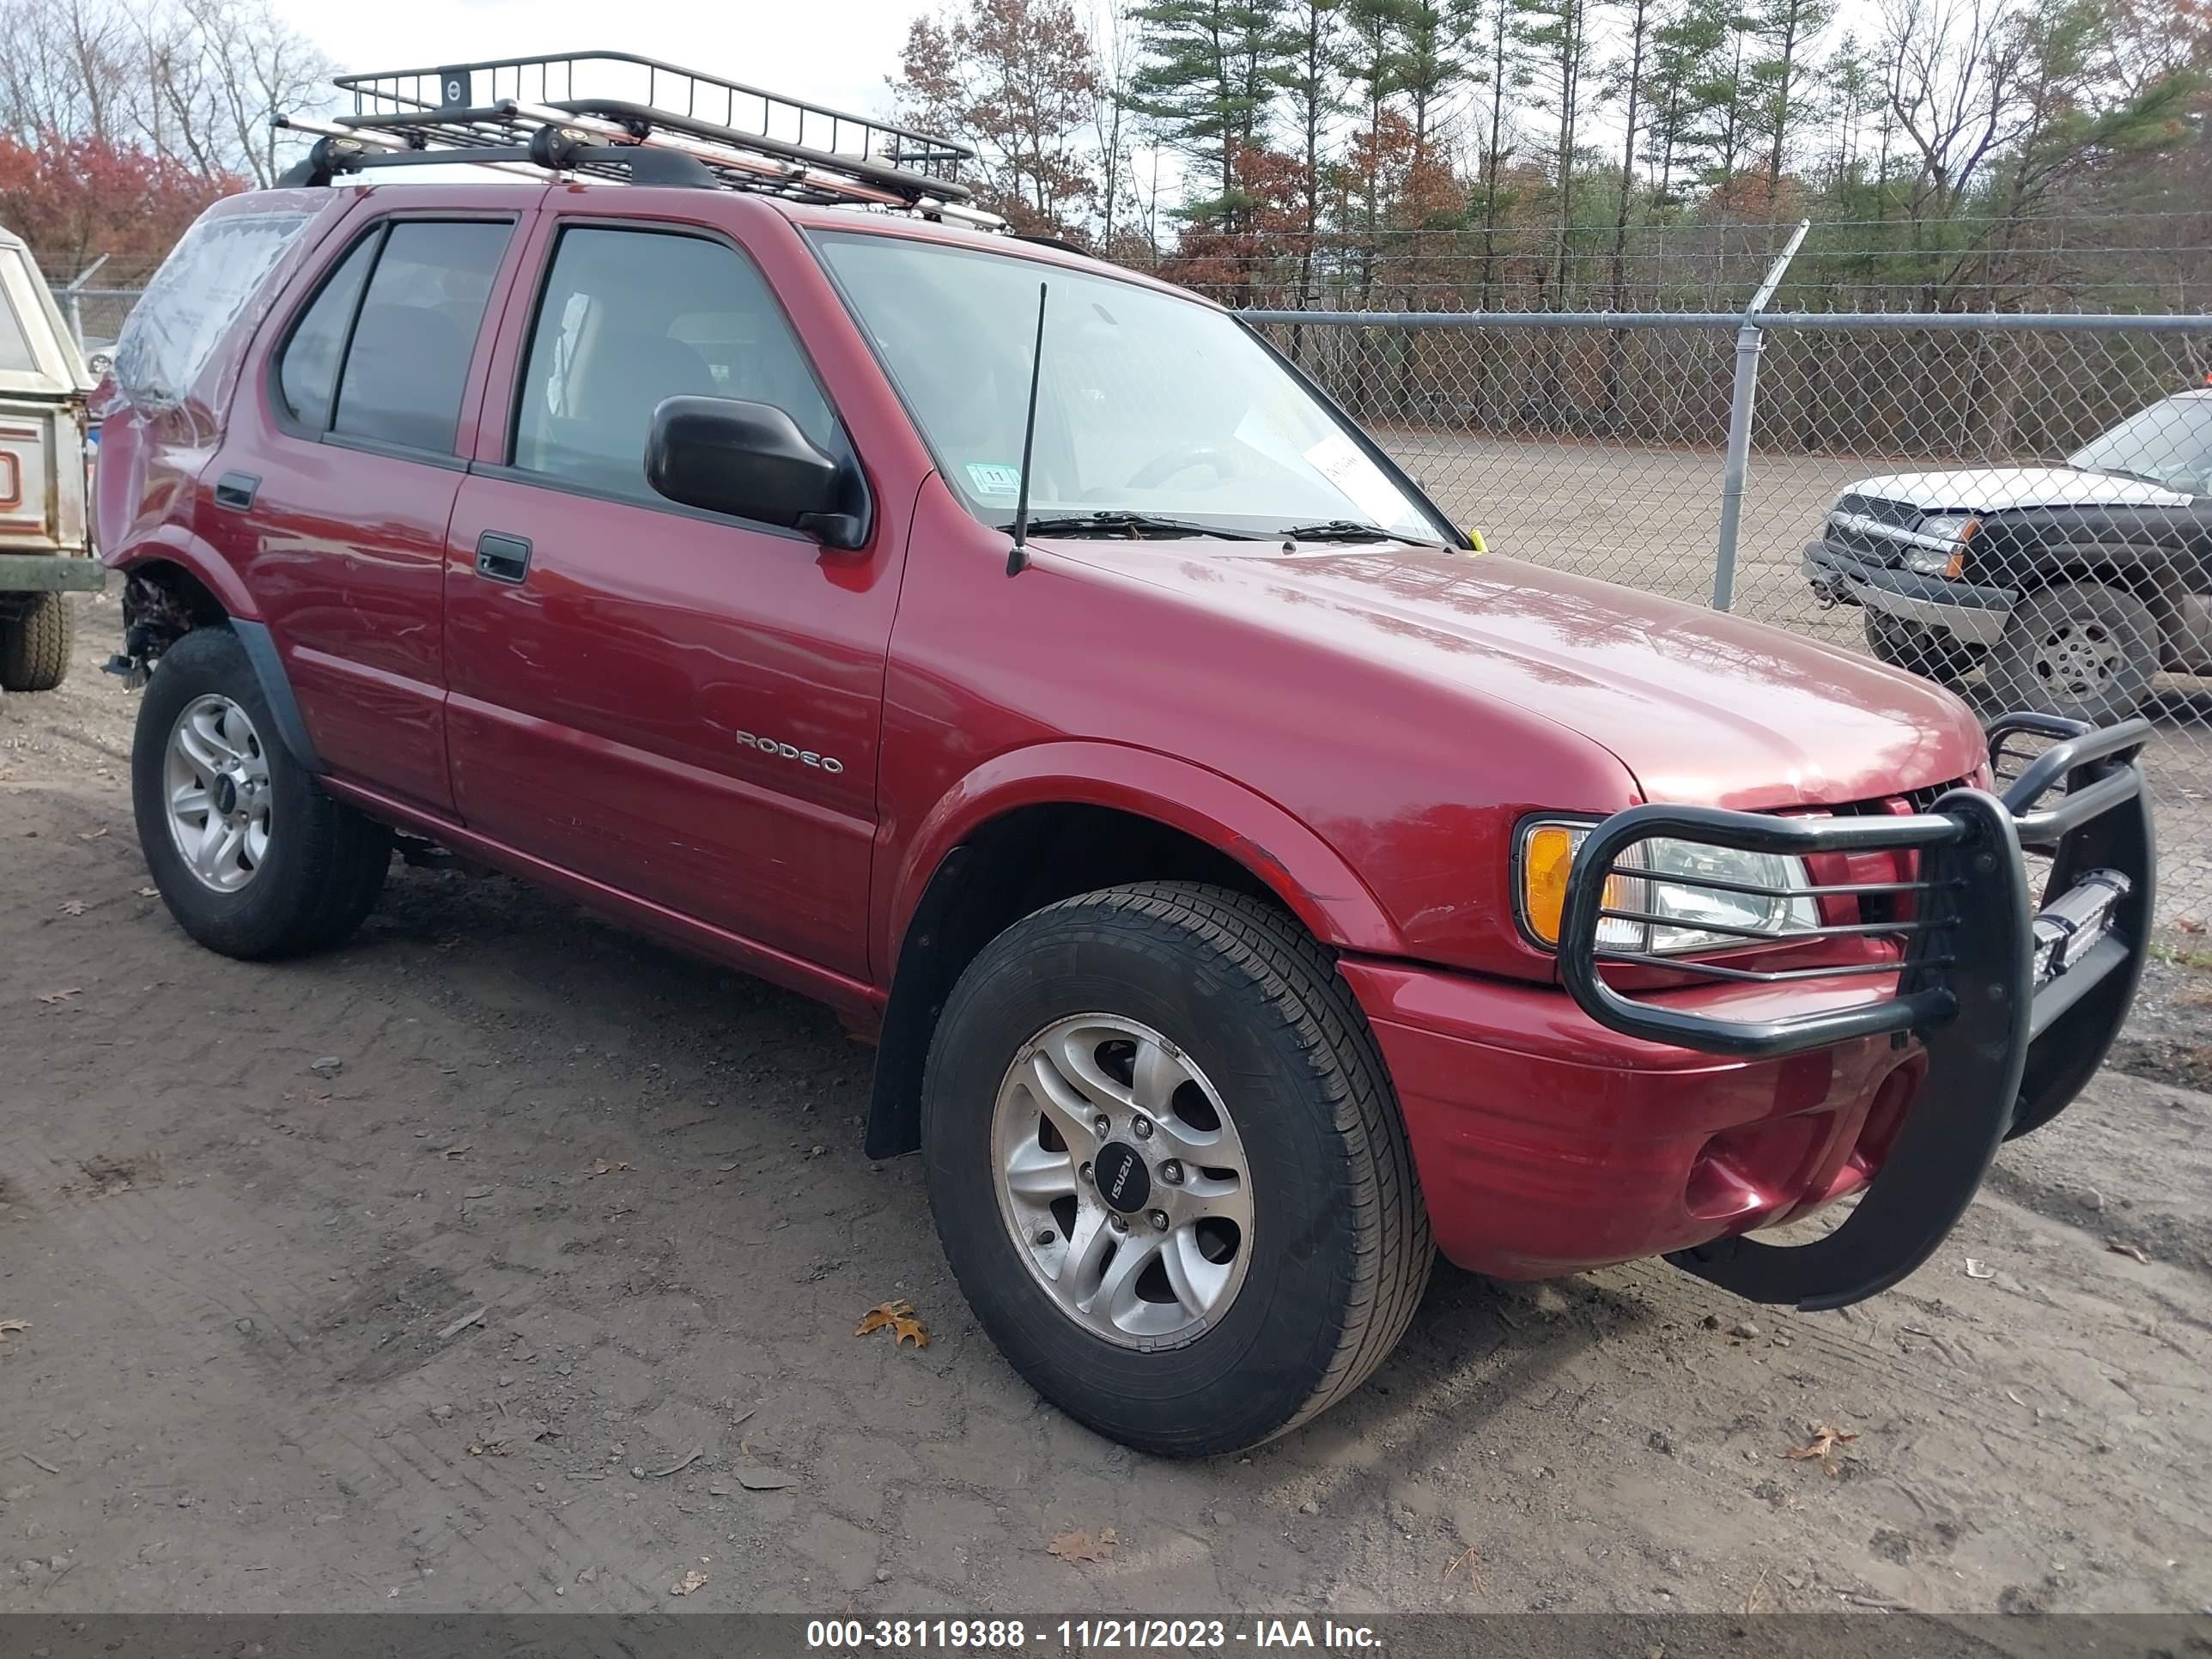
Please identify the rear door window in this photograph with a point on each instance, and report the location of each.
(307, 374)
(407, 362)
(382, 351)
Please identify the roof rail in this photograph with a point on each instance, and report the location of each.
(616, 115)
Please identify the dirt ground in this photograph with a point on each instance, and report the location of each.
(246, 1213)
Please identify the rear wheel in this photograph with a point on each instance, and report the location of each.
(35, 644)
(1168, 1168)
(2083, 650)
(251, 857)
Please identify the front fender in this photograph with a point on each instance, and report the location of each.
(1298, 866)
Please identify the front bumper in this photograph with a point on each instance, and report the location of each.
(1553, 1133)
(1965, 611)
(43, 573)
(1546, 1144)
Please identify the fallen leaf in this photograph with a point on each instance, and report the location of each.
(90, 835)
(491, 1449)
(898, 1316)
(600, 1166)
(61, 995)
(1823, 1446)
(1979, 1269)
(2121, 1247)
(150, 892)
(461, 1151)
(682, 1463)
(8, 1326)
(72, 907)
(692, 1579)
(2190, 925)
(765, 1480)
(1082, 1546)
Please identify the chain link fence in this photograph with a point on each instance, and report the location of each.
(2017, 506)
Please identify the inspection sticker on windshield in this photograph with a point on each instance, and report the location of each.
(1337, 459)
(994, 478)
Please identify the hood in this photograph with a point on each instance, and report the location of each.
(1702, 709)
(1993, 489)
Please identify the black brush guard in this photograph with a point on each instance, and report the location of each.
(2014, 1008)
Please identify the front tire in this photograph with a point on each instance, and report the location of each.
(2080, 649)
(35, 645)
(1168, 1168)
(251, 857)
(1918, 650)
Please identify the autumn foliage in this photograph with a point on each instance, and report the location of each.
(74, 199)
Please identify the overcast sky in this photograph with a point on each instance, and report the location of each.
(829, 52)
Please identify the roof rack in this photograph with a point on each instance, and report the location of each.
(616, 115)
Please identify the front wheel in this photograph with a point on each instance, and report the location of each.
(1168, 1168)
(2080, 649)
(251, 857)
(1916, 649)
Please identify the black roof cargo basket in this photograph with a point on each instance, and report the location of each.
(616, 115)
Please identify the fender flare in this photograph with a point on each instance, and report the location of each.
(1311, 878)
(277, 690)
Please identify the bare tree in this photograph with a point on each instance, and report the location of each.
(197, 84)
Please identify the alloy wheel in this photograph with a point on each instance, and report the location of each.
(1122, 1180)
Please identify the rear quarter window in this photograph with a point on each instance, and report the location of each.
(199, 294)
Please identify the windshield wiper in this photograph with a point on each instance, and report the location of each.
(1349, 530)
(1133, 525)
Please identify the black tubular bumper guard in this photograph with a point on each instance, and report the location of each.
(2014, 1008)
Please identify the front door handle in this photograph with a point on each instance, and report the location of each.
(502, 558)
(235, 490)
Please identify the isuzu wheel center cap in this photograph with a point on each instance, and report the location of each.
(1123, 1182)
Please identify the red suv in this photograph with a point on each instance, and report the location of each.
(1246, 881)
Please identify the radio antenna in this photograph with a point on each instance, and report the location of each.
(1018, 556)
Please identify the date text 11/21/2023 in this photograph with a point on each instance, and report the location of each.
(1077, 1635)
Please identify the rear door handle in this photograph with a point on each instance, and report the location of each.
(235, 490)
(502, 558)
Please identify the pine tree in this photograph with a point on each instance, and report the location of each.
(1683, 48)
(1504, 72)
(1211, 71)
(1787, 29)
(1559, 35)
(1308, 77)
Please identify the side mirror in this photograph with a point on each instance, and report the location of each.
(751, 461)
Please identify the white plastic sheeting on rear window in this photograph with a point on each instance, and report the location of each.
(200, 289)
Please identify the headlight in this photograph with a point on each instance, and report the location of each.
(1693, 915)
(1956, 528)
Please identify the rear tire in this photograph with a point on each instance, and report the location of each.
(35, 646)
(1314, 1288)
(2080, 649)
(300, 871)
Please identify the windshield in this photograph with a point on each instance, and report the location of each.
(15, 350)
(2169, 443)
(1147, 404)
